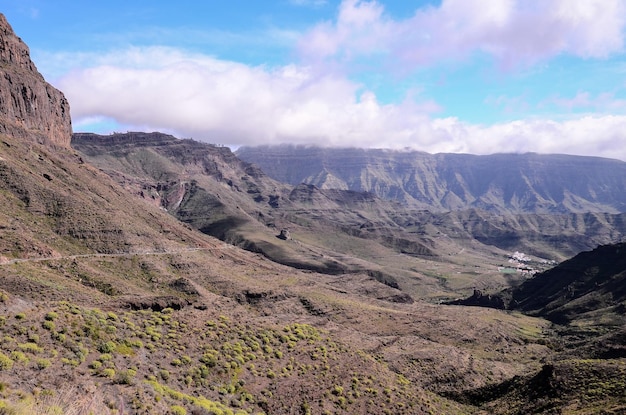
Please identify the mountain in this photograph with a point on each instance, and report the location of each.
(584, 296)
(332, 230)
(108, 304)
(111, 305)
(588, 286)
(210, 189)
(501, 183)
(262, 199)
(30, 108)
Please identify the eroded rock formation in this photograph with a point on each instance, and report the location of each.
(30, 108)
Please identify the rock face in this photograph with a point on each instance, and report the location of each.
(501, 183)
(30, 108)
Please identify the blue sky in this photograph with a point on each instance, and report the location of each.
(474, 76)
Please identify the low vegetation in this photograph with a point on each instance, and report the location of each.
(165, 362)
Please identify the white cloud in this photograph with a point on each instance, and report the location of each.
(512, 31)
(199, 96)
(231, 103)
(208, 98)
(592, 135)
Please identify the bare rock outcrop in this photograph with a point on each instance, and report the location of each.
(285, 235)
(30, 108)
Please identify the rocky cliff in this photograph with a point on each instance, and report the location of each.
(501, 183)
(30, 108)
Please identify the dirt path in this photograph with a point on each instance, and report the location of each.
(4, 261)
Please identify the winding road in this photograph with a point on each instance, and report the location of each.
(4, 262)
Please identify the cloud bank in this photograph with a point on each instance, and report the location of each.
(219, 101)
(514, 32)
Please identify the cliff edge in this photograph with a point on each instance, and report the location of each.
(30, 108)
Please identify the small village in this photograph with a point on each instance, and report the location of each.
(519, 262)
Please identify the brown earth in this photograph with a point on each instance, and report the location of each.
(110, 305)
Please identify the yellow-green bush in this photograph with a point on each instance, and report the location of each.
(5, 362)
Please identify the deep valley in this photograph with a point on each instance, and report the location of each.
(145, 274)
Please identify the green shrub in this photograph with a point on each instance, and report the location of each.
(176, 362)
(127, 377)
(19, 357)
(108, 347)
(108, 373)
(30, 347)
(70, 362)
(136, 343)
(124, 350)
(51, 316)
(178, 410)
(209, 359)
(43, 364)
(337, 390)
(96, 364)
(48, 325)
(5, 362)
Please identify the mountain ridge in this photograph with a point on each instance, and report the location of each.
(30, 108)
(503, 183)
(209, 188)
(110, 305)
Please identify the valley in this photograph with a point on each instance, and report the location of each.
(145, 274)
(336, 231)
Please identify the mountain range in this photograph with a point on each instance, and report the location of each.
(116, 297)
(212, 190)
(501, 183)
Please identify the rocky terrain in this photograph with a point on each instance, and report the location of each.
(586, 288)
(501, 183)
(30, 108)
(109, 304)
(584, 296)
(337, 231)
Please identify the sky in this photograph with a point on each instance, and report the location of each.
(462, 76)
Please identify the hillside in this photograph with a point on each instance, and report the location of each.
(588, 288)
(110, 298)
(501, 183)
(585, 297)
(106, 297)
(111, 305)
(330, 231)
